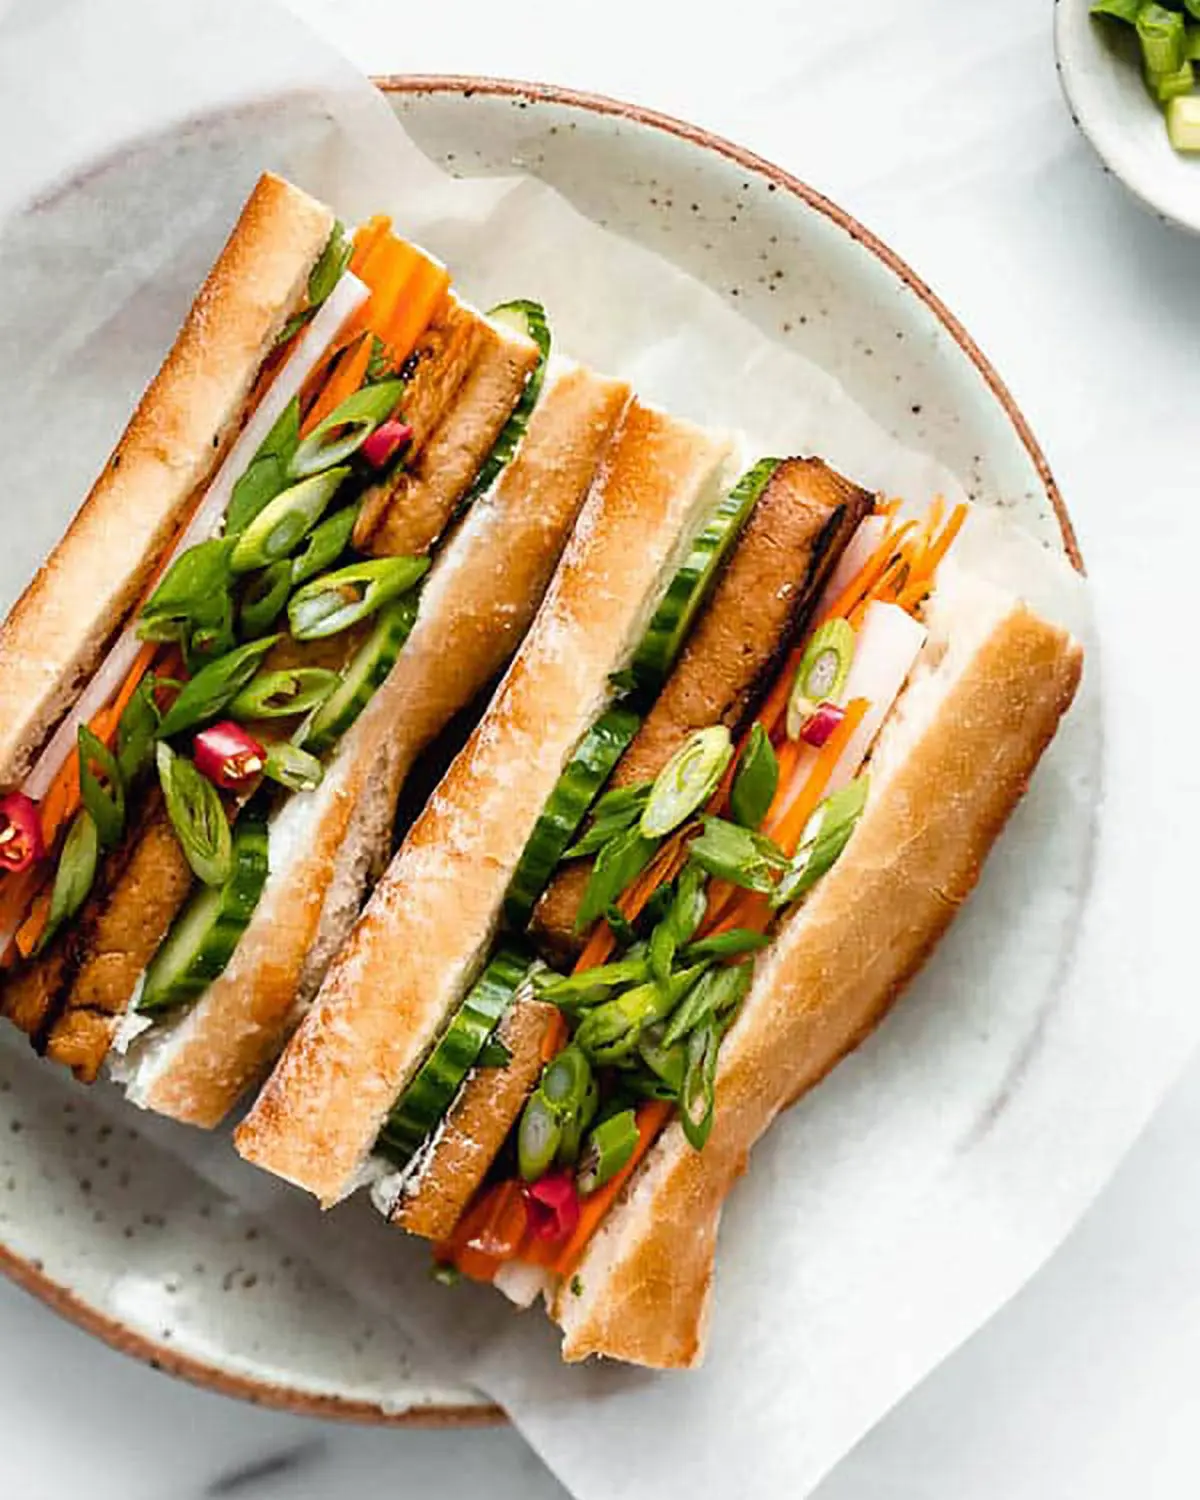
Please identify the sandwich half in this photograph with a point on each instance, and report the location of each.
(826, 723)
(322, 535)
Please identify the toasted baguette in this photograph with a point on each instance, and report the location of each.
(428, 926)
(480, 598)
(192, 411)
(952, 762)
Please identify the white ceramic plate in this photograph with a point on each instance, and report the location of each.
(116, 1235)
(1100, 71)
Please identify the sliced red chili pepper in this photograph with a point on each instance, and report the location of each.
(553, 1206)
(21, 843)
(228, 756)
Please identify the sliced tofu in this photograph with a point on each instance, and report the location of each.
(772, 580)
(467, 375)
(476, 1126)
(69, 999)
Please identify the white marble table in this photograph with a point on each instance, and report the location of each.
(940, 124)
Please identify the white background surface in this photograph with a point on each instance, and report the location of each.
(940, 124)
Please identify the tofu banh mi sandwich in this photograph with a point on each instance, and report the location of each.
(741, 774)
(322, 535)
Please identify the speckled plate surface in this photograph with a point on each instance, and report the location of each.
(113, 1233)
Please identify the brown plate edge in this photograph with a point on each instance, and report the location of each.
(29, 1274)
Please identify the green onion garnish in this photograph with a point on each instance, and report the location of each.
(206, 694)
(101, 787)
(197, 817)
(345, 429)
(292, 690)
(284, 522)
(755, 780)
(74, 876)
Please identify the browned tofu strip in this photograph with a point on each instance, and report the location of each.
(94, 964)
(804, 518)
(476, 1126)
(428, 491)
(118, 940)
(435, 371)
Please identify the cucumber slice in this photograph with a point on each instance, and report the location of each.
(528, 318)
(373, 660)
(202, 941)
(574, 792)
(432, 1091)
(692, 583)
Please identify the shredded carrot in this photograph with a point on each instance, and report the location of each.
(366, 237)
(801, 808)
(869, 575)
(665, 865)
(785, 823)
(34, 924)
(919, 585)
(556, 1037)
(386, 290)
(422, 295)
(650, 1119)
(344, 381)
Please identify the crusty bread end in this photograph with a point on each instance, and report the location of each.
(983, 703)
(192, 411)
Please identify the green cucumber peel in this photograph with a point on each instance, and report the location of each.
(694, 579)
(432, 1089)
(528, 318)
(205, 935)
(566, 807)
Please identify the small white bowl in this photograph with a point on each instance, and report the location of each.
(1100, 70)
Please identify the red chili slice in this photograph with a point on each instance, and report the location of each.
(21, 843)
(228, 756)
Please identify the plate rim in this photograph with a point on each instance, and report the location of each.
(27, 1272)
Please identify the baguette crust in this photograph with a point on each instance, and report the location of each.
(943, 785)
(428, 491)
(192, 411)
(481, 596)
(428, 926)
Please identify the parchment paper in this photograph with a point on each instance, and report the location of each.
(893, 1210)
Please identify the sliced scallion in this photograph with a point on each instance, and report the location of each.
(205, 695)
(755, 780)
(101, 787)
(74, 876)
(345, 429)
(338, 600)
(1161, 35)
(197, 816)
(275, 695)
(687, 781)
(284, 522)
